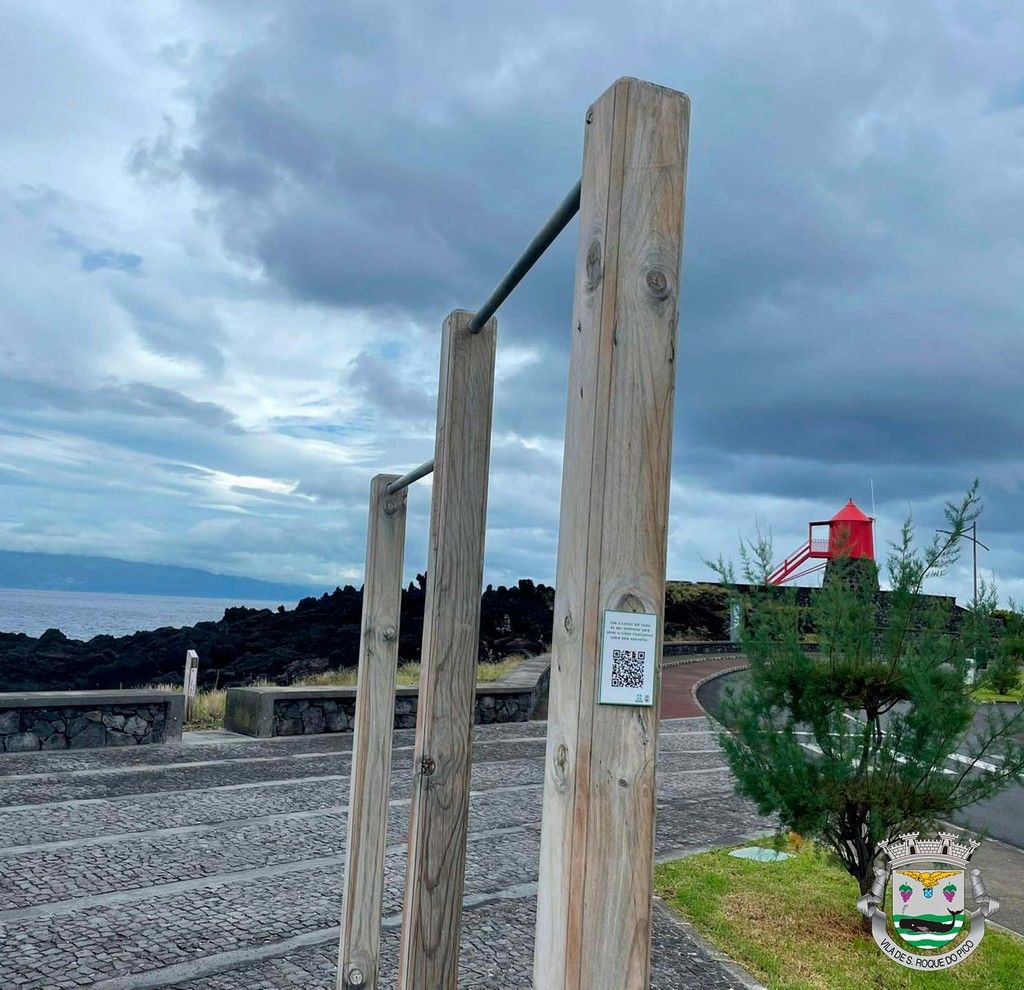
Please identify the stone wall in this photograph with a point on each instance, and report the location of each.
(297, 711)
(310, 716)
(87, 719)
(699, 649)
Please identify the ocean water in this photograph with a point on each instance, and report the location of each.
(82, 615)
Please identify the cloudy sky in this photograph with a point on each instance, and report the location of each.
(229, 232)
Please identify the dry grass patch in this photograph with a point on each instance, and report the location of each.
(207, 710)
(408, 674)
(208, 706)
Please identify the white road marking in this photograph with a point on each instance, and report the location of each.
(959, 758)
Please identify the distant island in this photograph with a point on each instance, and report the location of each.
(71, 572)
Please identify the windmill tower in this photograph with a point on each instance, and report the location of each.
(847, 549)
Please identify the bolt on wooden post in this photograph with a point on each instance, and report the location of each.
(362, 900)
(439, 815)
(597, 840)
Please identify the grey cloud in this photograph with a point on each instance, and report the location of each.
(348, 486)
(850, 306)
(141, 399)
(175, 327)
(90, 259)
(380, 382)
(157, 160)
(130, 399)
(822, 189)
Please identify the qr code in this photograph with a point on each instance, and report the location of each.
(628, 668)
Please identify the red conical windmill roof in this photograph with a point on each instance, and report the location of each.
(850, 513)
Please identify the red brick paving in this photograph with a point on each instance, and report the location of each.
(678, 682)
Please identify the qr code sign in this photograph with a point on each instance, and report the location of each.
(628, 668)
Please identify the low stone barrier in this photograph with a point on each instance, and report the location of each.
(698, 649)
(297, 711)
(88, 719)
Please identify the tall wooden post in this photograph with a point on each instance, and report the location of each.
(594, 902)
(359, 951)
(432, 916)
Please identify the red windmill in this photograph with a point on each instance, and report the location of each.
(850, 533)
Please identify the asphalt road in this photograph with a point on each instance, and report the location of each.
(1000, 818)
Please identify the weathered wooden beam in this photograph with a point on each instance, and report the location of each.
(359, 950)
(594, 901)
(432, 916)
(191, 684)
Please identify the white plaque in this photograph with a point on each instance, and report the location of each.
(628, 644)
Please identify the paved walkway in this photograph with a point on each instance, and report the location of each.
(217, 865)
(679, 681)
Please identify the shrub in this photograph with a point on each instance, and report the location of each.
(848, 745)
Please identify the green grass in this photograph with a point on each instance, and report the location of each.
(208, 706)
(795, 926)
(985, 694)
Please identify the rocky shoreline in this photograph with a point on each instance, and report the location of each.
(281, 646)
(250, 644)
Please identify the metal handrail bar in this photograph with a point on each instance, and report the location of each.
(556, 223)
(414, 475)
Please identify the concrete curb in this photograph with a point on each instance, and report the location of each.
(705, 680)
(694, 658)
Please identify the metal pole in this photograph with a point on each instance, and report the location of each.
(556, 223)
(974, 542)
(414, 475)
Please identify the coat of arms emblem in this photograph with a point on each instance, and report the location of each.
(927, 905)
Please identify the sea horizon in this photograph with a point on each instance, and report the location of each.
(85, 614)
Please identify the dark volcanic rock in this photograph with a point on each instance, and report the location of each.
(320, 633)
(75, 728)
(251, 644)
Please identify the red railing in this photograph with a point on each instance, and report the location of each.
(790, 565)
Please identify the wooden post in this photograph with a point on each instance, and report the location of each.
(438, 821)
(191, 682)
(594, 900)
(362, 900)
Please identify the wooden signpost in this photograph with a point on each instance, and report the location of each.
(597, 839)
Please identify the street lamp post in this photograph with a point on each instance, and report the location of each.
(975, 544)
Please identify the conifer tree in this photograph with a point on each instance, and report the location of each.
(850, 745)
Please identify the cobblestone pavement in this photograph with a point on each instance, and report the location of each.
(219, 866)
